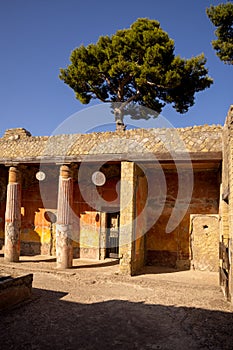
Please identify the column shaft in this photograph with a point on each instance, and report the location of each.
(64, 248)
(13, 217)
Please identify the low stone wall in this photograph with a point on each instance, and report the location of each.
(14, 290)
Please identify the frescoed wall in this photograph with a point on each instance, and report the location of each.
(173, 249)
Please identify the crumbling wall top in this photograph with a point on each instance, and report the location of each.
(229, 118)
(18, 145)
(16, 134)
(230, 112)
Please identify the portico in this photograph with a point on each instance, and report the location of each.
(156, 197)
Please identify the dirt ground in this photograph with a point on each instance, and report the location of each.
(92, 306)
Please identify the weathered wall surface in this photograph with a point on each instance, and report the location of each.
(89, 234)
(127, 217)
(3, 187)
(37, 233)
(205, 242)
(140, 221)
(19, 146)
(226, 208)
(173, 249)
(15, 290)
(39, 202)
(39, 209)
(89, 202)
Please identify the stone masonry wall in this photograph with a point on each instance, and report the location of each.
(15, 290)
(127, 216)
(141, 220)
(227, 194)
(17, 145)
(205, 242)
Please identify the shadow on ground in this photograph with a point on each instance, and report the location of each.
(31, 260)
(77, 263)
(96, 265)
(157, 269)
(50, 322)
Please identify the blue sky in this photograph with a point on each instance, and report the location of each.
(37, 37)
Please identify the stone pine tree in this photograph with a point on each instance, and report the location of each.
(135, 67)
(222, 17)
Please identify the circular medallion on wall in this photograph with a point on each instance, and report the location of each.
(40, 175)
(98, 178)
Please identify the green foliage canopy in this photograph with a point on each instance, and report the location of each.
(222, 18)
(138, 66)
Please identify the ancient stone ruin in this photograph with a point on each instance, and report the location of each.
(143, 196)
(14, 290)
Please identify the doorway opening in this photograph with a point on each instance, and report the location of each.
(113, 223)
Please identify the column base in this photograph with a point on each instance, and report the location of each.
(64, 248)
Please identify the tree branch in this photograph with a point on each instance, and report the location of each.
(161, 86)
(93, 90)
(120, 91)
(134, 97)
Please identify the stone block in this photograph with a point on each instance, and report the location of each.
(15, 290)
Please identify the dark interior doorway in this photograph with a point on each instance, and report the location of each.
(113, 223)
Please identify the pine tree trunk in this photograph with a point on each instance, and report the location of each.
(119, 120)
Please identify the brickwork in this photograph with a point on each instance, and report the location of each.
(16, 134)
(21, 147)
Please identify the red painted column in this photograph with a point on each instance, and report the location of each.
(64, 249)
(13, 217)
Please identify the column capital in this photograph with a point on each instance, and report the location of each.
(13, 175)
(65, 171)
